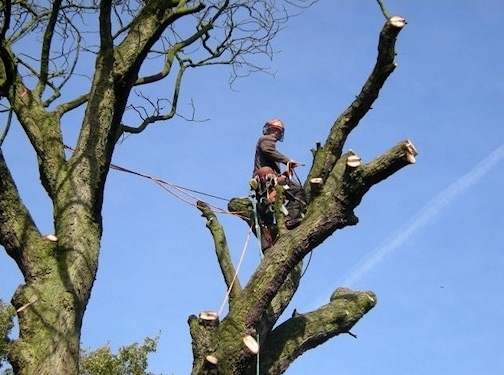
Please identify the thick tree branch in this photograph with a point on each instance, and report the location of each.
(46, 48)
(160, 117)
(222, 251)
(177, 47)
(6, 8)
(279, 303)
(18, 231)
(41, 127)
(152, 20)
(344, 184)
(384, 166)
(203, 333)
(303, 332)
(326, 157)
(43, 131)
(243, 208)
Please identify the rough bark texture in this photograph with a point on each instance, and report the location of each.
(256, 308)
(59, 271)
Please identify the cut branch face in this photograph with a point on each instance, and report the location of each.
(153, 42)
(338, 183)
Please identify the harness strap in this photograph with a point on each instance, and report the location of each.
(256, 222)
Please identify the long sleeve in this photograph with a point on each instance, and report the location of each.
(267, 155)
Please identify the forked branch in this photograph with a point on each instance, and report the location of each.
(303, 332)
(326, 156)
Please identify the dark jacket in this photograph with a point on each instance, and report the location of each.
(266, 154)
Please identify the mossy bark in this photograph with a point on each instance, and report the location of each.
(257, 306)
(59, 271)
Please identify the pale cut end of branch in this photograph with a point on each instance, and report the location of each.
(397, 21)
(353, 161)
(51, 237)
(26, 305)
(316, 185)
(251, 344)
(213, 360)
(209, 316)
(411, 152)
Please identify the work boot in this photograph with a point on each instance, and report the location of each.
(292, 223)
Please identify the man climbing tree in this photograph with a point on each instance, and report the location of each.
(267, 177)
(250, 339)
(59, 270)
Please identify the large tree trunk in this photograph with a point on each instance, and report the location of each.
(58, 272)
(51, 305)
(58, 269)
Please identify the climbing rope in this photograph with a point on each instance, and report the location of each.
(174, 190)
(166, 186)
(244, 250)
(258, 362)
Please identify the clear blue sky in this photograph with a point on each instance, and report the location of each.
(430, 238)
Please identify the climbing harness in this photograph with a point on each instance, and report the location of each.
(256, 222)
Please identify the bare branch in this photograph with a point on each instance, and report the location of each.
(17, 227)
(327, 156)
(7, 127)
(303, 332)
(383, 9)
(75, 103)
(46, 47)
(157, 116)
(222, 251)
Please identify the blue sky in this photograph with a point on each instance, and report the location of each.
(430, 238)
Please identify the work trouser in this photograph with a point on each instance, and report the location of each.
(296, 201)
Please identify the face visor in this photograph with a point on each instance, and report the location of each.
(276, 128)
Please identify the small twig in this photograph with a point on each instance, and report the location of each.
(383, 9)
(6, 130)
(351, 334)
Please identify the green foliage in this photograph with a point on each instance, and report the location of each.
(7, 315)
(130, 360)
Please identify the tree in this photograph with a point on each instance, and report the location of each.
(6, 324)
(129, 360)
(124, 40)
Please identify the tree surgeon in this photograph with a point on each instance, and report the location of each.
(267, 175)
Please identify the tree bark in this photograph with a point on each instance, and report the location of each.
(59, 275)
(59, 271)
(303, 332)
(339, 182)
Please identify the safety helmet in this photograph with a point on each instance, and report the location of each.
(274, 124)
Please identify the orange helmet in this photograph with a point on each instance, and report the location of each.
(274, 124)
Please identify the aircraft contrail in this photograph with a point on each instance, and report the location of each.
(424, 216)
